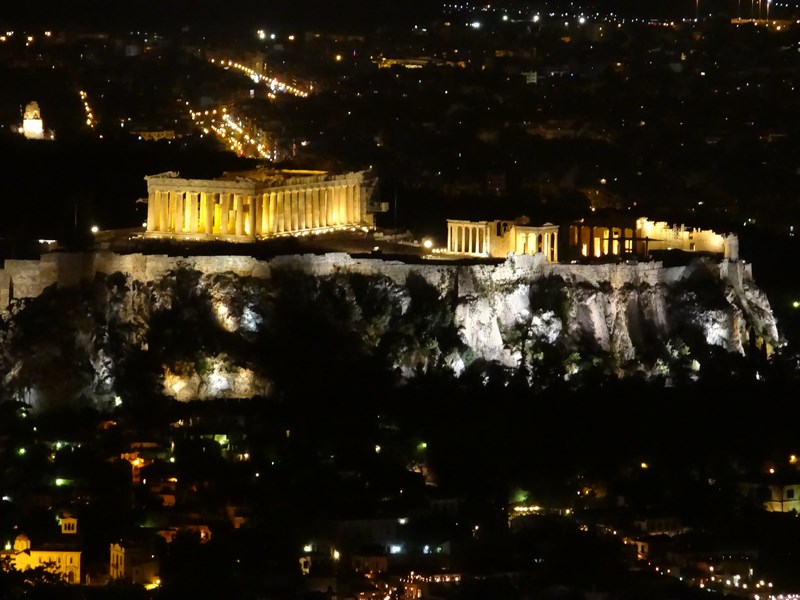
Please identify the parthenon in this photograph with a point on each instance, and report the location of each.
(259, 204)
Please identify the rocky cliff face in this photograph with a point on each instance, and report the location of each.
(635, 318)
(222, 327)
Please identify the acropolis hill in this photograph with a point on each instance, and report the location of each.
(641, 317)
(505, 293)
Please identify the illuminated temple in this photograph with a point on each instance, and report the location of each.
(584, 239)
(258, 204)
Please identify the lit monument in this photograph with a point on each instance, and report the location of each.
(32, 124)
(260, 204)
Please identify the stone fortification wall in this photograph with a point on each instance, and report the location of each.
(501, 310)
(27, 278)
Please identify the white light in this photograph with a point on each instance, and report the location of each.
(95, 229)
(475, 25)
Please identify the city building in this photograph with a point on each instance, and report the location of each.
(781, 495)
(134, 563)
(61, 556)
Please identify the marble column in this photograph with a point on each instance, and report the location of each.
(308, 201)
(224, 213)
(177, 211)
(287, 211)
(163, 207)
(343, 205)
(238, 201)
(272, 217)
(252, 216)
(348, 202)
(211, 201)
(328, 194)
(280, 212)
(294, 214)
(316, 220)
(333, 199)
(192, 206)
(301, 209)
(202, 214)
(257, 214)
(264, 204)
(358, 213)
(151, 211)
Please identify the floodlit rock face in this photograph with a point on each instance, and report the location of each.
(103, 325)
(620, 312)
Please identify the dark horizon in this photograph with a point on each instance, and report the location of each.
(183, 14)
(235, 13)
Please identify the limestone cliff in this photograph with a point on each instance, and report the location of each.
(103, 327)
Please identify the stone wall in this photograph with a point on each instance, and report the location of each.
(500, 309)
(28, 278)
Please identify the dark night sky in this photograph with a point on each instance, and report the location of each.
(182, 12)
(340, 14)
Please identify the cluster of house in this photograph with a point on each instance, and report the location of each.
(379, 544)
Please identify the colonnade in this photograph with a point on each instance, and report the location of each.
(595, 241)
(499, 238)
(468, 238)
(531, 240)
(275, 211)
